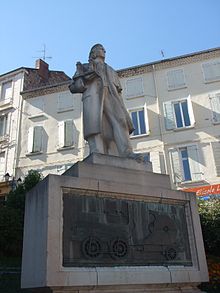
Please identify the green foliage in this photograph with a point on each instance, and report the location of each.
(209, 211)
(12, 216)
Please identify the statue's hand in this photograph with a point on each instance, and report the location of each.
(77, 86)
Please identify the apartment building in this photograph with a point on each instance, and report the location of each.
(11, 85)
(175, 107)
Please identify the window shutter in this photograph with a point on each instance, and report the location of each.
(65, 102)
(211, 71)
(61, 133)
(6, 90)
(194, 163)
(215, 105)
(37, 141)
(175, 79)
(175, 163)
(134, 87)
(146, 119)
(1, 125)
(169, 115)
(2, 165)
(190, 110)
(30, 139)
(216, 154)
(68, 133)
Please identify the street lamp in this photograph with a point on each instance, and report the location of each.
(7, 176)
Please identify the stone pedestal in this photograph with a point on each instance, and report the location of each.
(111, 225)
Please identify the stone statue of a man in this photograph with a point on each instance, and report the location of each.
(106, 122)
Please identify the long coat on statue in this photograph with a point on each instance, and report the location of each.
(98, 84)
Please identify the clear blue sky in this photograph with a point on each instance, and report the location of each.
(132, 31)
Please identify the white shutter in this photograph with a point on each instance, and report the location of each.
(37, 141)
(134, 87)
(215, 105)
(211, 71)
(175, 79)
(169, 115)
(68, 133)
(175, 163)
(61, 133)
(216, 154)
(146, 119)
(190, 110)
(30, 139)
(2, 165)
(65, 102)
(6, 90)
(194, 163)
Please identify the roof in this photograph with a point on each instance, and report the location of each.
(33, 80)
(163, 62)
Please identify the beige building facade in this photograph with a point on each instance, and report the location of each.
(11, 115)
(175, 107)
(11, 85)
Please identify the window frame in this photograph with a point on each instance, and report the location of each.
(195, 168)
(31, 139)
(146, 122)
(1, 93)
(2, 172)
(62, 135)
(215, 118)
(5, 126)
(170, 121)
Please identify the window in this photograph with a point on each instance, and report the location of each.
(175, 79)
(134, 87)
(2, 166)
(178, 114)
(211, 71)
(185, 164)
(65, 102)
(140, 121)
(3, 125)
(35, 139)
(66, 134)
(215, 105)
(216, 154)
(6, 92)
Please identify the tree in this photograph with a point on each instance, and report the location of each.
(12, 216)
(209, 211)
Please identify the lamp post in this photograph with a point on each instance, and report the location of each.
(13, 183)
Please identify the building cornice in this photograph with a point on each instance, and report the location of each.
(13, 73)
(167, 63)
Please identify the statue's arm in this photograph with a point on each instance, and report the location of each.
(82, 75)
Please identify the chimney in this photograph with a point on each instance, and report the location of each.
(43, 68)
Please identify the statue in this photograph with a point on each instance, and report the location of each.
(106, 122)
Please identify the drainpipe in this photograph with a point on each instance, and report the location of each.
(159, 111)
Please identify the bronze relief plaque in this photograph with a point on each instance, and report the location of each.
(105, 231)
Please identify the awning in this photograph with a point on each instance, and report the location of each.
(205, 190)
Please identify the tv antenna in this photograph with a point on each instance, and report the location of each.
(43, 56)
(162, 53)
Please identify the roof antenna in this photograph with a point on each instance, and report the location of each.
(162, 53)
(43, 57)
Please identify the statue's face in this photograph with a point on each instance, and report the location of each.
(100, 51)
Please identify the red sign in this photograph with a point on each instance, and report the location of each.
(205, 190)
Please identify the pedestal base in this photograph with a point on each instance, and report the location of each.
(105, 227)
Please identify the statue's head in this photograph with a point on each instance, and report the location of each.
(97, 51)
